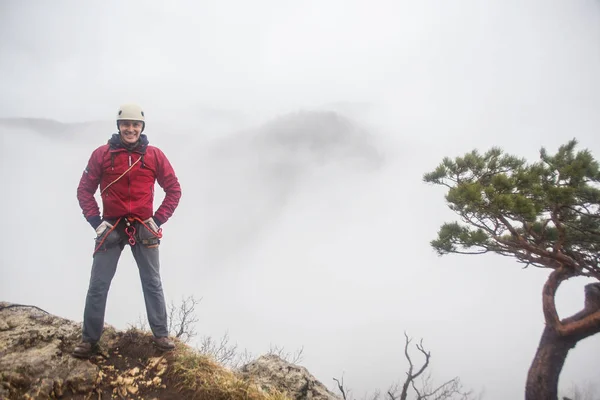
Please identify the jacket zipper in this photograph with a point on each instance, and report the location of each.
(129, 184)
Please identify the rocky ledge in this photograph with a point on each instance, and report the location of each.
(36, 363)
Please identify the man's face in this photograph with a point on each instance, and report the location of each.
(130, 131)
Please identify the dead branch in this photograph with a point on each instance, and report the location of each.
(182, 319)
(286, 356)
(393, 392)
(222, 352)
(341, 387)
(410, 376)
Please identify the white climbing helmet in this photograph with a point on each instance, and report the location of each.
(131, 112)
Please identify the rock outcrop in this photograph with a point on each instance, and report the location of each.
(33, 363)
(271, 372)
(36, 363)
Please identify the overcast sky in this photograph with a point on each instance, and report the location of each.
(283, 247)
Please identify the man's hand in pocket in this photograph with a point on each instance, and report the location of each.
(103, 227)
(151, 224)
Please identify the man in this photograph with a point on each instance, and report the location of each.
(126, 169)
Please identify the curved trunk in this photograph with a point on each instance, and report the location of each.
(559, 337)
(542, 379)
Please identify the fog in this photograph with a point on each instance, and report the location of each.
(300, 133)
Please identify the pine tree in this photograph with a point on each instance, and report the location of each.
(543, 214)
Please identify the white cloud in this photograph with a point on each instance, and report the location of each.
(429, 79)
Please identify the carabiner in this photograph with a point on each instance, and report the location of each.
(130, 231)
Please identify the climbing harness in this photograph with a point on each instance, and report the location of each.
(130, 231)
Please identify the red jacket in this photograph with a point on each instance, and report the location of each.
(133, 193)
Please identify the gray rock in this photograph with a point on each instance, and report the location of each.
(3, 325)
(271, 372)
(31, 350)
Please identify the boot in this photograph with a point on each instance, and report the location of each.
(85, 349)
(163, 343)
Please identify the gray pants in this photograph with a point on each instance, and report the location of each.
(146, 255)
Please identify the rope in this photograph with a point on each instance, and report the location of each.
(122, 175)
(157, 234)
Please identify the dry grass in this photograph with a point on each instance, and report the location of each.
(200, 377)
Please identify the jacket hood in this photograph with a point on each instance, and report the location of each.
(140, 147)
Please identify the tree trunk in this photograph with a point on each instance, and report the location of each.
(558, 338)
(542, 379)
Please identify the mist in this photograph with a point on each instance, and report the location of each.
(300, 133)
